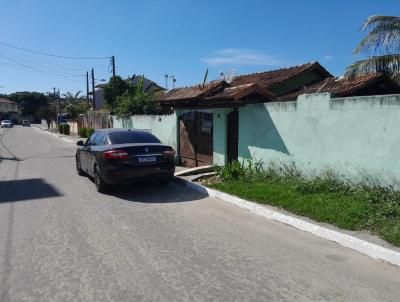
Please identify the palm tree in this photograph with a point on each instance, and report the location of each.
(382, 44)
(70, 97)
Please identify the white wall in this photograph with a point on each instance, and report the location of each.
(162, 126)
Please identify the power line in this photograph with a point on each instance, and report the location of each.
(52, 65)
(52, 55)
(39, 70)
(17, 67)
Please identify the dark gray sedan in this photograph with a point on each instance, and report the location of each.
(119, 156)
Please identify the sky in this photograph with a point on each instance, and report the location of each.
(177, 37)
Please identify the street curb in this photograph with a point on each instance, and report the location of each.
(55, 135)
(364, 247)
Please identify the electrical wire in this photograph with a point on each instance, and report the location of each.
(52, 65)
(39, 70)
(17, 67)
(52, 55)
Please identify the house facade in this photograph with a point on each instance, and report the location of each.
(217, 106)
(8, 110)
(300, 114)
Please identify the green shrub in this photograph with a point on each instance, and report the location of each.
(82, 132)
(89, 131)
(61, 128)
(66, 129)
(234, 170)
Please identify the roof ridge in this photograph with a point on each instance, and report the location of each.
(195, 85)
(279, 69)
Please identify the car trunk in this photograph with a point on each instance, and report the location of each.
(143, 154)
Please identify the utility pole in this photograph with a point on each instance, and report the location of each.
(55, 105)
(172, 77)
(87, 87)
(93, 95)
(166, 81)
(59, 103)
(113, 82)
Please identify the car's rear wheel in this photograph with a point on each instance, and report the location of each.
(101, 186)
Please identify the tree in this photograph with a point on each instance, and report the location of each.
(137, 101)
(30, 102)
(72, 98)
(121, 87)
(383, 43)
(47, 114)
(75, 109)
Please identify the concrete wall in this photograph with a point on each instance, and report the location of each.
(358, 135)
(220, 117)
(162, 126)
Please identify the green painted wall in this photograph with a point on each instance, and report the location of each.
(355, 136)
(219, 136)
(162, 126)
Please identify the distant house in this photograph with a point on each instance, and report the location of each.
(220, 122)
(8, 110)
(149, 85)
(364, 85)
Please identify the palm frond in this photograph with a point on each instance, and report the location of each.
(388, 64)
(383, 38)
(375, 20)
(77, 94)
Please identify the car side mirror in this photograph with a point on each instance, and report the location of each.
(80, 143)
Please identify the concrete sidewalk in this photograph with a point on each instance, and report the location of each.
(68, 138)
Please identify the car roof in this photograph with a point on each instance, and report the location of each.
(113, 130)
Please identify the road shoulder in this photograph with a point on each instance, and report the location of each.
(377, 251)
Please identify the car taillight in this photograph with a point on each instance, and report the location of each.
(169, 153)
(115, 154)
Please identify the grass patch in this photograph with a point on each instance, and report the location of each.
(324, 198)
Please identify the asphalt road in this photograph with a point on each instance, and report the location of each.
(63, 241)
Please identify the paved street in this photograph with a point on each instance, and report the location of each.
(63, 241)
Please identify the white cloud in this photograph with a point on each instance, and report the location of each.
(327, 58)
(236, 56)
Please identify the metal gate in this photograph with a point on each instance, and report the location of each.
(196, 138)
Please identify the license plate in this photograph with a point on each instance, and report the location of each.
(147, 159)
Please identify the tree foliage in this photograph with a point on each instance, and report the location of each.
(30, 102)
(136, 100)
(381, 45)
(46, 114)
(121, 87)
(71, 97)
(77, 108)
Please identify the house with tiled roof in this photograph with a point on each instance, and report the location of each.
(212, 102)
(363, 85)
(228, 108)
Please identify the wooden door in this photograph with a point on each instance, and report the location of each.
(196, 138)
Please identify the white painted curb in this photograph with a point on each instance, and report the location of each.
(364, 247)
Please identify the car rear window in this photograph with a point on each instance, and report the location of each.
(132, 137)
